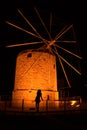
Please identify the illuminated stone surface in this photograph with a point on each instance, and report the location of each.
(35, 70)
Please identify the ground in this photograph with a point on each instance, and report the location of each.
(44, 122)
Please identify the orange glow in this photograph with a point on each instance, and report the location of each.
(73, 102)
(35, 70)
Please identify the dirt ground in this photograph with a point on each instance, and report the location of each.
(44, 122)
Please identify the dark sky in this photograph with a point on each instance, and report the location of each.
(72, 12)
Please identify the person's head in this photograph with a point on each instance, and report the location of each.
(39, 90)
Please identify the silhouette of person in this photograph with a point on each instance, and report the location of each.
(38, 99)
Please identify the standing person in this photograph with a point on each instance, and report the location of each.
(38, 99)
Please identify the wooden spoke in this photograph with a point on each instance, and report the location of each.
(66, 41)
(60, 32)
(70, 65)
(62, 67)
(31, 26)
(63, 33)
(24, 44)
(68, 51)
(16, 26)
(43, 23)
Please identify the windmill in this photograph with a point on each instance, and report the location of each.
(36, 68)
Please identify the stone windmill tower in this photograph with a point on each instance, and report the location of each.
(36, 68)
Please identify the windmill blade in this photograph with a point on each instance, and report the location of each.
(43, 23)
(49, 46)
(50, 50)
(66, 41)
(57, 37)
(27, 21)
(70, 65)
(23, 44)
(51, 43)
(68, 51)
(44, 40)
(16, 26)
(66, 77)
(61, 31)
(41, 48)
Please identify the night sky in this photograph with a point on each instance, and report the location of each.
(66, 12)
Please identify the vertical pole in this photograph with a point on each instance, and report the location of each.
(64, 105)
(22, 105)
(80, 101)
(46, 106)
(5, 106)
(47, 103)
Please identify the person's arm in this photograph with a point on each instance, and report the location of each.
(41, 97)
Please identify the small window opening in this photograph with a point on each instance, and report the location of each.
(29, 55)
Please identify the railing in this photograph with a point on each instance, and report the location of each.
(71, 105)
